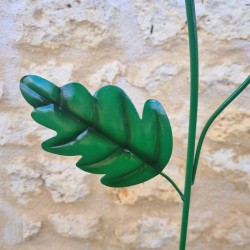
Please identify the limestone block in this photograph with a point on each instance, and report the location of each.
(148, 232)
(161, 75)
(54, 23)
(56, 164)
(201, 223)
(225, 19)
(108, 74)
(1, 89)
(83, 226)
(223, 75)
(66, 185)
(10, 224)
(232, 124)
(31, 229)
(160, 20)
(24, 182)
(153, 76)
(17, 128)
(227, 159)
(235, 229)
(59, 74)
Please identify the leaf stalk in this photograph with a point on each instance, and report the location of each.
(173, 184)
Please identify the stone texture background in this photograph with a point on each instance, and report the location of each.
(46, 202)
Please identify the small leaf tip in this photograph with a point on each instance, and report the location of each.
(24, 78)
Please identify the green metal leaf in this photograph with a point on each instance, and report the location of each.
(105, 129)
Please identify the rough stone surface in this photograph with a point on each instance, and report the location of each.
(234, 15)
(1, 89)
(227, 159)
(24, 182)
(232, 125)
(108, 74)
(16, 129)
(10, 224)
(235, 230)
(142, 47)
(155, 22)
(82, 25)
(31, 229)
(159, 76)
(148, 232)
(58, 184)
(59, 74)
(76, 225)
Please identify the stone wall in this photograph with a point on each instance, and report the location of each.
(140, 46)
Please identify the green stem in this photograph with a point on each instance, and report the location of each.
(212, 118)
(194, 79)
(173, 184)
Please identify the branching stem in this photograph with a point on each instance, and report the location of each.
(173, 184)
(211, 119)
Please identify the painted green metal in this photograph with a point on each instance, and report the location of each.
(194, 79)
(105, 129)
(192, 154)
(174, 185)
(211, 120)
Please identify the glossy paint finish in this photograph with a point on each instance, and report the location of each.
(211, 120)
(194, 86)
(105, 129)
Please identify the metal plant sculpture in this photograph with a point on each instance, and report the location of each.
(106, 130)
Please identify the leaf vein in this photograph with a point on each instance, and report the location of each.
(101, 133)
(158, 139)
(127, 128)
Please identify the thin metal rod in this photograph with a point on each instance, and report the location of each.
(194, 80)
(211, 120)
(173, 184)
